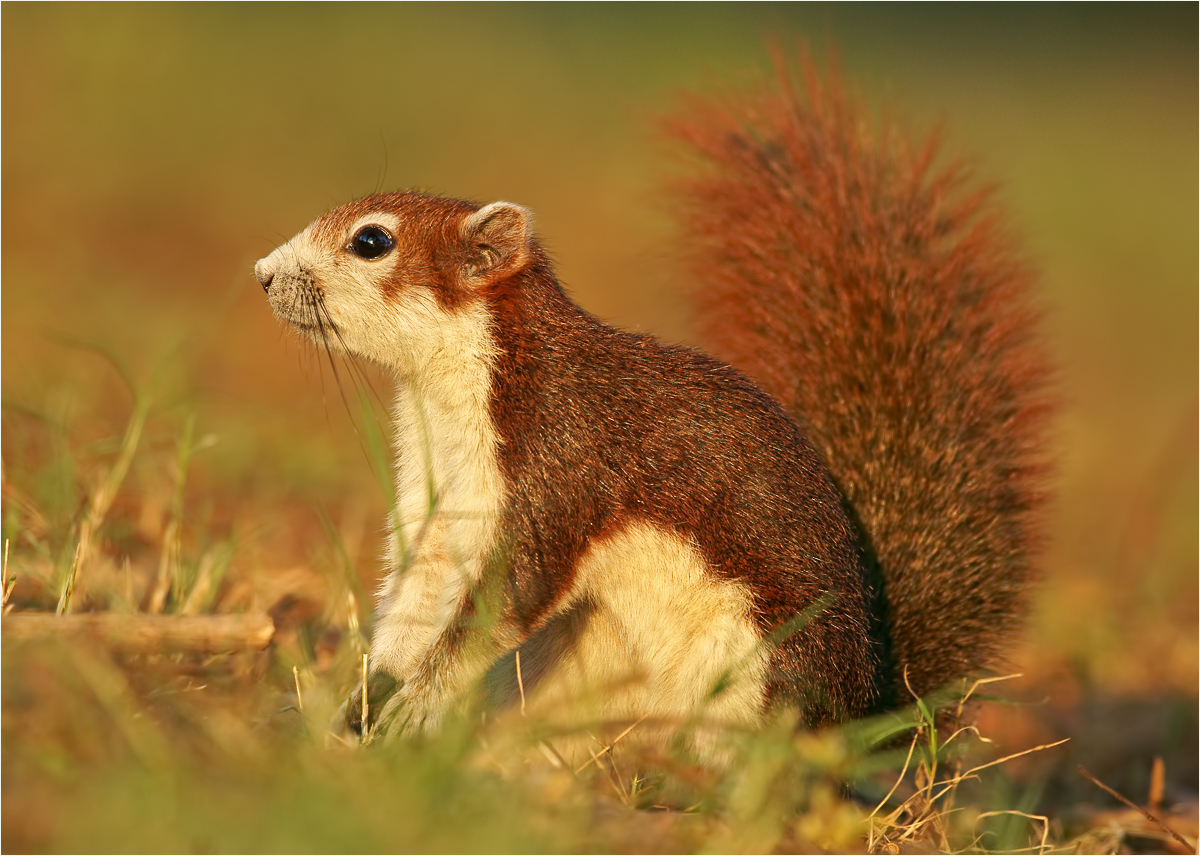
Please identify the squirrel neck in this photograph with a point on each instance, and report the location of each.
(444, 440)
(544, 340)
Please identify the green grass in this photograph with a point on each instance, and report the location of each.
(234, 753)
(181, 756)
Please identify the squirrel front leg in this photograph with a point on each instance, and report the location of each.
(432, 642)
(412, 612)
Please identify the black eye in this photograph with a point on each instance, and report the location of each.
(371, 242)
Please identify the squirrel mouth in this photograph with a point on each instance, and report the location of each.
(314, 328)
(307, 320)
(305, 314)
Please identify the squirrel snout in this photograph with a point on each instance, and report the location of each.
(263, 274)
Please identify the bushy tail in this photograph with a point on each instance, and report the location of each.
(884, 307)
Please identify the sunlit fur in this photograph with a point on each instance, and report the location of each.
(641, 523)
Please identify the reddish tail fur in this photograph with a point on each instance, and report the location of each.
(883, 306)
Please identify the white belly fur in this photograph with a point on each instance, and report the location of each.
(448, 496)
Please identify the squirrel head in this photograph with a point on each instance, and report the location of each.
(388, 276)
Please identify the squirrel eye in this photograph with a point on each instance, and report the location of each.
(371, 242)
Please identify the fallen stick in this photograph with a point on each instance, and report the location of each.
(1188, 846)
(147, 634)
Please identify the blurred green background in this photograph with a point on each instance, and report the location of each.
(151, 153)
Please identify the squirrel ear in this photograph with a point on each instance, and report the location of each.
(497, 239)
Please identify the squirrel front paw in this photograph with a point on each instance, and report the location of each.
(381, 686)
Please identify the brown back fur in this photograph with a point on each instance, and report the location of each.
(600, 427)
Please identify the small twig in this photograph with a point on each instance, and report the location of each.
(520, 683)
(1191, 848)
(148, 634)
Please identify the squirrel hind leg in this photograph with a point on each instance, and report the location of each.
(653, 637)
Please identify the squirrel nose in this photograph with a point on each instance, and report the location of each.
(263, 275)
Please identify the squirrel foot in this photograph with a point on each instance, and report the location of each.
(381, 688)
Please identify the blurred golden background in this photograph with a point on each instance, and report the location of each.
(151, 153)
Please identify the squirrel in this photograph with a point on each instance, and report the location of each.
(641, 527)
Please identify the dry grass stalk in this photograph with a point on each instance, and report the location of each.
(552, 755)
(102, 499)
(299, 695)
(1157, 783)
(595, 759)
(194, 601)
(366, 727)
(520, 682)
(1043, 847)
(64, 600)
(167, 563)
(872, 844)
(6, 585)
(353, 625)
(970, 774)
(932, 801)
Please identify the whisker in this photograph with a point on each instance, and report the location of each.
(357, 375)
(357, 370)
(382, 175)
(308, 307)
(323, 319)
